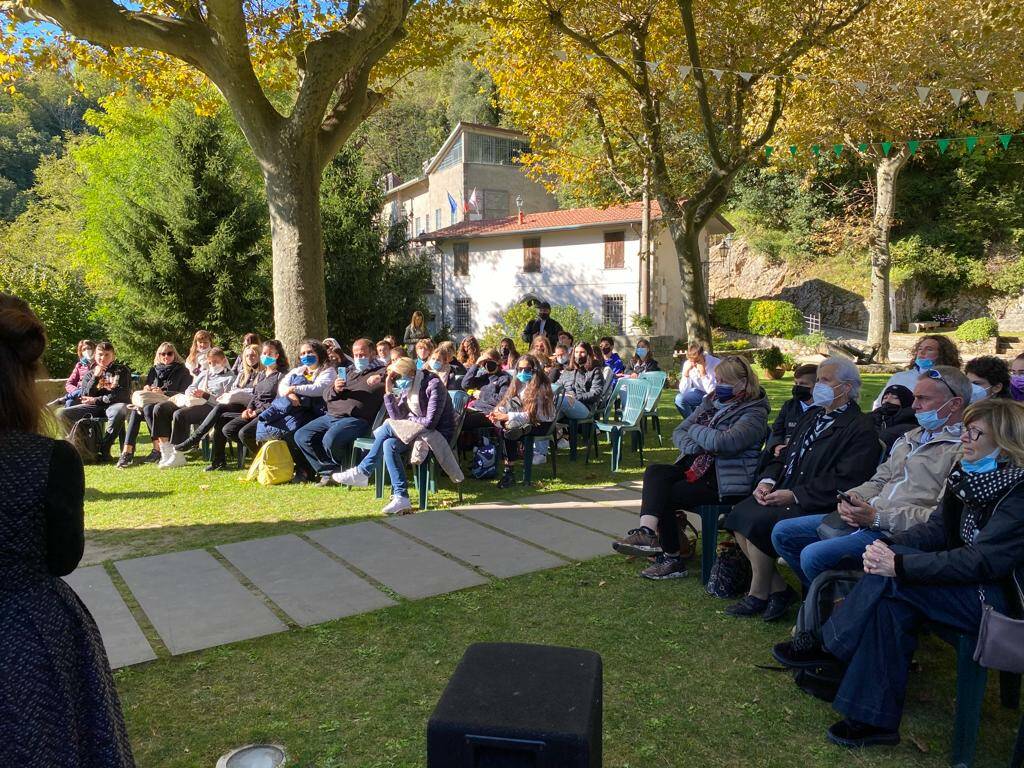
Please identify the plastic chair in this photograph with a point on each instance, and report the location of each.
(709, 515)
(548, 435)
(425, 475)
(364, 444)
(656, 380)
(632, 421)
(603, 404)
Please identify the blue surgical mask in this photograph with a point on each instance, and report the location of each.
(308, 359)
(419, 364)
(930, 420)
(267, 360)
(436, 365)
(984, 464)
(402, 383)
(978, 392)
(823, 394)
(724, 392)
(641, 352)
(360, 363)
(525, 376)
(924, 364)
(84, 360)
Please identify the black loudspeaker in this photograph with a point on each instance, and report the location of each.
(511, 705)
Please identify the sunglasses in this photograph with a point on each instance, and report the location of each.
(166, 354)
(933, 374)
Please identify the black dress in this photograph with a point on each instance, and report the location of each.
(58, 704)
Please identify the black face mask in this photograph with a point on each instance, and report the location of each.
(801, 393)
(888, 409)
(605, 350)
(490, 366)
(544, 315)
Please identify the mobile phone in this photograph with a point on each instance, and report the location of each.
(845, 497)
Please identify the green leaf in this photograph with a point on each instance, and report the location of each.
(943, 145)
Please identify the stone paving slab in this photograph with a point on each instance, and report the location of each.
(601, 518)
(304, 582)
(615, 495)
(633, 485)
(194, 602)
(544, 530)
(409, 568)
(489, 550)
(123, 639)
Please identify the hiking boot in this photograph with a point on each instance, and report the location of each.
(351, 477)
(779, 603)
(748, 607)
(399, 505)
(804, 651)
(124, 460)
(507, 480)
(665, 567)
(854, 734)
(638, 542)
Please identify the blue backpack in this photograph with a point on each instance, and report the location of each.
(483, 465)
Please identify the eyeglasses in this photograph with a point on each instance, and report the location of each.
(166, 354)
(931, 373)
(973, 434)
(527, 369)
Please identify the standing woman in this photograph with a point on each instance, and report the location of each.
(202, 343)
(414, 331)
(58, 703)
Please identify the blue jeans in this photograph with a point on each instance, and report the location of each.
(576, 410)
(875, 632)
(687, 403)
(393, 449)
(797, 541)
(326, 441)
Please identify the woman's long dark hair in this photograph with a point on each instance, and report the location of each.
(282, 358)
(22, 342)
(532, 394)
(591, 357)
(318, 349)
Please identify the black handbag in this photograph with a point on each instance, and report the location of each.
(833, 526)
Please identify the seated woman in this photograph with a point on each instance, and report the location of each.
(249, 340)
(300, 399)
(73, 386)
(990, 377)
(202, 343)
(1017, 378)
(968, 554)
(242, 427)
(106, 388)
(168, 375)
(583, 383)
(719, 448)
(528, 406)
(440, 363)
(834, 446)
(469, 351)
(418, 396)
(457, 368)
(895, 416)
(928, 351)
(336, 354)
(423, 349)
(222, 412)
(642, 361)
(173, 423)
(486, 383)
(508, 354)
(559, 362)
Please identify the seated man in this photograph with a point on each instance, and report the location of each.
(352, 401)
(804, 378)
(697, 379)
(903, 491)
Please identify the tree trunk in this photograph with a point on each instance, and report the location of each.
(645, 248)
(686, 238)
(879, 309)
(292, 181)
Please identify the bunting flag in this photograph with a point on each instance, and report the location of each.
(956, 94)
(793, 150)
(768, 151)
(863, 146)
(861, 87)
(1018, 98)
(970, 143)
(838, 149)
(982, 96)
(746, 76)
(922, 93)
(943, 145)
(886, 146)
(816, 149)
(912, 146)
(718, 73)
(1004, 139)
(684, 72)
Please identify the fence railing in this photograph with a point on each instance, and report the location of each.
(812, 323)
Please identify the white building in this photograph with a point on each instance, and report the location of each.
(588, 257)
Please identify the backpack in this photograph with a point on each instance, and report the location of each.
(483, 464)
(827, 591)
(86, 436)
(731, 574)
(273, 464)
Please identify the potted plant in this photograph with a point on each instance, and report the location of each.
(772, 361)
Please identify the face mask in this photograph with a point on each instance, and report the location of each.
(723, 392)
(563, 359)
(888, 409)
(924, 364)
(823, 395)
(85, 360)
(436, 365)
(641, 352)
(606, 350)
(978, 392)
(801, 393)
(216, 369)
(419, 364)
(985, 464)
(267, 360)
(525, 376)
(360, 363)
(930, 420)
(402, 383)
(1017, 386)
(544, 315)
(87, 356)
(490, 367)
(308, 360)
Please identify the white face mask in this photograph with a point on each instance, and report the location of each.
(216, 369)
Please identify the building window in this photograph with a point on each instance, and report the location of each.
(494, 150)
(463, 315)
(409, 225)
(437, 218)
(453, 156)
(495, 204)
(416, 230)
(614, 255)
(461, 258)
(614, 311)
(531, 254)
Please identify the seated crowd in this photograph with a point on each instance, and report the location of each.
(923, 495)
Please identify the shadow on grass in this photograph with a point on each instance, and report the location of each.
(92, 494)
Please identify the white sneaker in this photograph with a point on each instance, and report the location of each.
(177, 459)
(397, 505)
(563, 444)
(351, 477)
(539, 458)
(166, 452)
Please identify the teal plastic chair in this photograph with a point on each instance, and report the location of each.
(601, 409)
(631, 422)
(656, 380)
(363, 445)
(550, 436)
(425, 476)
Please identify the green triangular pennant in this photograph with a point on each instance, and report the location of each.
(971, 142)
(912, 146)
(886, 146)
(792, 149)
(1004, 139)
(838, 149)
(863, 146)
(816, 149)
(768, 151)
(943, 145)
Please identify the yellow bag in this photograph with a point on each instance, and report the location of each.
(273, 464)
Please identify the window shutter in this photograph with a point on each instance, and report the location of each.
(462, 258)
(614, 254)
(531, 254)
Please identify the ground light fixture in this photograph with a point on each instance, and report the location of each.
(254, 756)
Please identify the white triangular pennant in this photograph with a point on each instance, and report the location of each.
(652, 66)
(684, 72)
(861, 87)
(561, 55)
(894, 88)
(922, 93)
(746, 76)
(957, 95)
(802, 77)
(718, 73)
(982, 96)
(1018, 99)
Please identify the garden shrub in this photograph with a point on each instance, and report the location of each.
(734, 345)
(979, 329)
(732, 313)
(775, 318)
(769, 358)
(810, 339)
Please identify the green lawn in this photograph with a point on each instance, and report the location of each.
(682, 685)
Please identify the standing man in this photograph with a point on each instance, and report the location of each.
(543, 324)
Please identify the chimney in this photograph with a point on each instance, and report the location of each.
(519, 205)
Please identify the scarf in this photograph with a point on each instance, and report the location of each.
(704, 461)
(979, 493)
